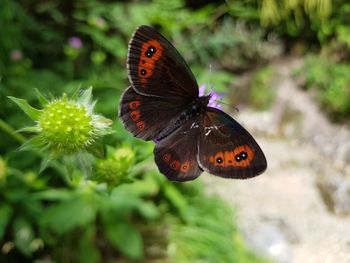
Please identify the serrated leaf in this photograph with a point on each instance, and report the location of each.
(125, 238)
(45, 162)
(30, 129)
(34, 143)
(29, 110)
(85, 96)
(42, 99)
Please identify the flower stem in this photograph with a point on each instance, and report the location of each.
(12, 132)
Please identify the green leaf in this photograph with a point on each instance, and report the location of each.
(148, 210)
(29, 110)
(30, 129)
(175, 197)
(53, 195)
(88, 252)
(34, 143)
(125, 238)
(43, 101)
(45, 162)
(123, 201)
(24, 235)
(68, 215)
(5, 215)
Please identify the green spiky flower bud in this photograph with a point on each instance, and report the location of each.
(65, 126)
(113, 169)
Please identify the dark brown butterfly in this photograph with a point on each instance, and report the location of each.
(163, 104)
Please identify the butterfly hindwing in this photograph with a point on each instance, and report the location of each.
(145, 116)
(226, 149)
(176, 155)
(156, 68)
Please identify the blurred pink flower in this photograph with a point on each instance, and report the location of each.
(75, 42)
(101, 22)
(214, 97)
(16, 55)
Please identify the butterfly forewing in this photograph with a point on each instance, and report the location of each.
(146, 116)
(226, 149)
(156, 68)
(176, 155)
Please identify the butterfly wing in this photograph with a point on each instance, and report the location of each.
(176, 155)
(156, 68)
(146, 116)
(226, 149)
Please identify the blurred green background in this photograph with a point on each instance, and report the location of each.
(126, 211)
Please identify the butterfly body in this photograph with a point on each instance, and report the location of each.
(163, 104)
(196, 108)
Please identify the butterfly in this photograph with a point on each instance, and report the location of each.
(163, 104)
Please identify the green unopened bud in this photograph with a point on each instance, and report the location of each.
(113, 169)
(66, 126)
(108, 171)
(124, 155)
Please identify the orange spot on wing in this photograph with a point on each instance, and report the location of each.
(140, 125)
(250, 157)
(175, 165)
(147, 64)
(228, 158)
(135, 115)
(133, 105)
(219, 156)
(166, 157)
(185, 166)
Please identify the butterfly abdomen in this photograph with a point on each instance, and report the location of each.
(194, 109)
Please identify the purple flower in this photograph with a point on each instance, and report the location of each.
(214, 97)
(16, 55)
(75, 42)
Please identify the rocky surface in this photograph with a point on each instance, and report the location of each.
(298, 210)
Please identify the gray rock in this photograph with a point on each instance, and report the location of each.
(269, 241)
(336, 194)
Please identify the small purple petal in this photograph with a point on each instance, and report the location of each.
(214, 97)
(214, 104)
(75, 42)
(201, 90)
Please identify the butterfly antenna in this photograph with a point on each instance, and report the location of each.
(209, 82)
(227, 104)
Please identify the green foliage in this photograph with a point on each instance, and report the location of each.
(106, 203)
(235, 45)
(332, 82)
(262, 94)
(191, 240)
